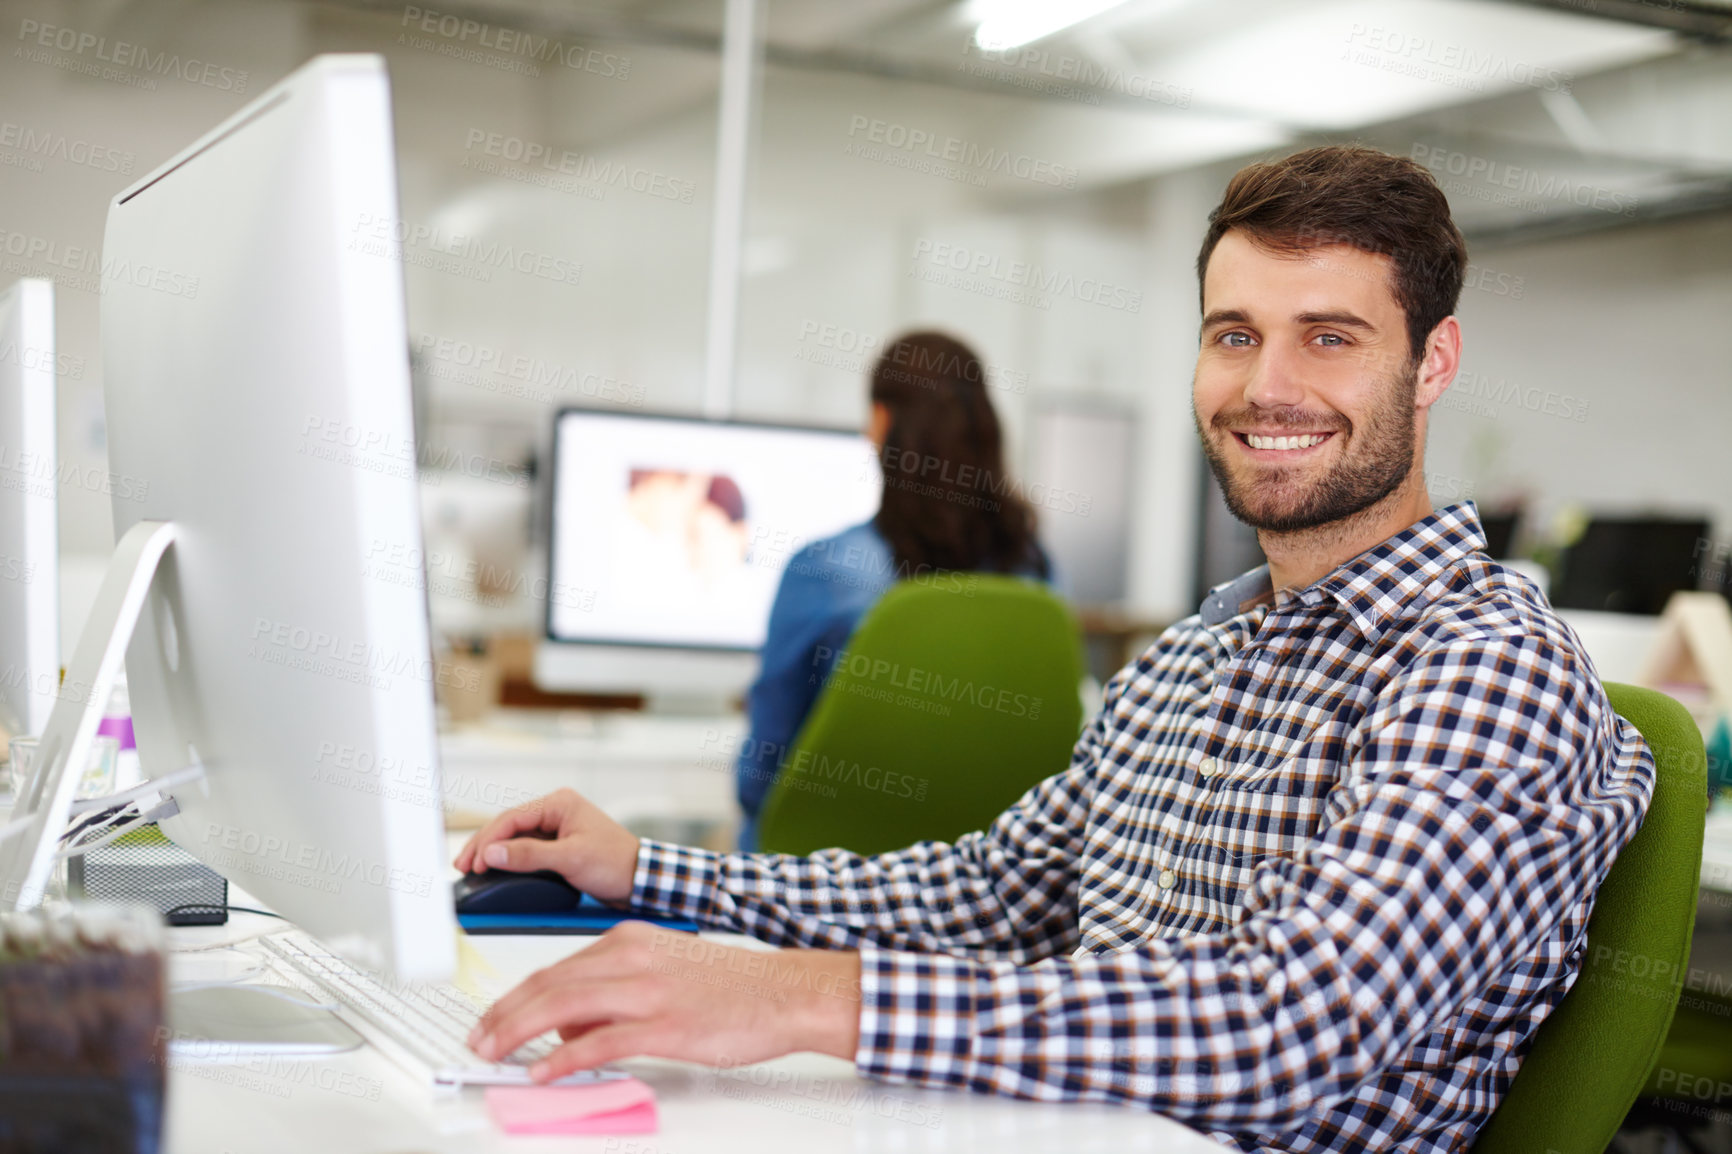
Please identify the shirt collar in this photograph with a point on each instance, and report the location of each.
(1240, 595)
(1374, 586)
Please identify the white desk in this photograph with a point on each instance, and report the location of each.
(363, 1104)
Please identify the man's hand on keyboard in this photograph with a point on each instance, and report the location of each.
(641, 991)
(560, 832)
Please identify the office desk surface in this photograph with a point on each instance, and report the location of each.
(360, 1102)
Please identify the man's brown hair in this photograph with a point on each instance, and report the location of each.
(1345, 194)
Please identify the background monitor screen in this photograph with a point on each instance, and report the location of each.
(675, 532)
(1630, 564)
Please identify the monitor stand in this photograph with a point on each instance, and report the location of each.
(223, 1023)
(250, 1020)
(45, 800)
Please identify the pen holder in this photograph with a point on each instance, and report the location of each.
(81, 1030)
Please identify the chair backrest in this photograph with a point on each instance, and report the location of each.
(1589, 1059)
(952, 699)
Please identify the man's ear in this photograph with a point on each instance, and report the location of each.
(1438, 367)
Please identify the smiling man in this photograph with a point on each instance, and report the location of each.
(1321, 864)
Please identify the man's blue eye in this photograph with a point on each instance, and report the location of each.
(1232, 340)
(1335, 337)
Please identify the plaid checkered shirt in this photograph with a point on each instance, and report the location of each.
(1316, 872)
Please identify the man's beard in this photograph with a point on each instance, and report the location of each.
(1379, 458)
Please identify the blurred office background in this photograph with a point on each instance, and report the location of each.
(559, 179)
(1043, 202)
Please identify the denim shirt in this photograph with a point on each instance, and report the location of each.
(825, 591)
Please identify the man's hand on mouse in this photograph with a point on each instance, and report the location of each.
(642, 991)
(560, 832)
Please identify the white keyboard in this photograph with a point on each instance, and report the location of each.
(423, 1028)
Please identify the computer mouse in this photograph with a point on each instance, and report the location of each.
(504, 892)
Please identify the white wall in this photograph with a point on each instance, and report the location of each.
(842, 247)
(1628, 328)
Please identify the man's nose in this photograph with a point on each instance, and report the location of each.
(1274, 381)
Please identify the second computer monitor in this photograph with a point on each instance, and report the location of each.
(670, 536)
(29, 573)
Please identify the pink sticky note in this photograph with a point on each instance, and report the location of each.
(625, 1106)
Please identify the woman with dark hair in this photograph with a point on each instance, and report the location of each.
(948, 507)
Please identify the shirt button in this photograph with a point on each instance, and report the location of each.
(1168, 879)
(1208, 767)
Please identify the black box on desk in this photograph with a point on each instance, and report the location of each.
(144, 866)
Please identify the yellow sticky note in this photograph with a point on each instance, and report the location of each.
(472, 969)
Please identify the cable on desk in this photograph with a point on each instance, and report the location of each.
(200, 907)
(263, 931)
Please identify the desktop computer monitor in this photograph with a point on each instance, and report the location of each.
(29, 537)
(669, 537)
(1630, 564)
(258, 397)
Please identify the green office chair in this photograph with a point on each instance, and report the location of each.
(949, 703)
(1595, 1052)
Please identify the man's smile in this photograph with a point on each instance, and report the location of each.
(1282, 446)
